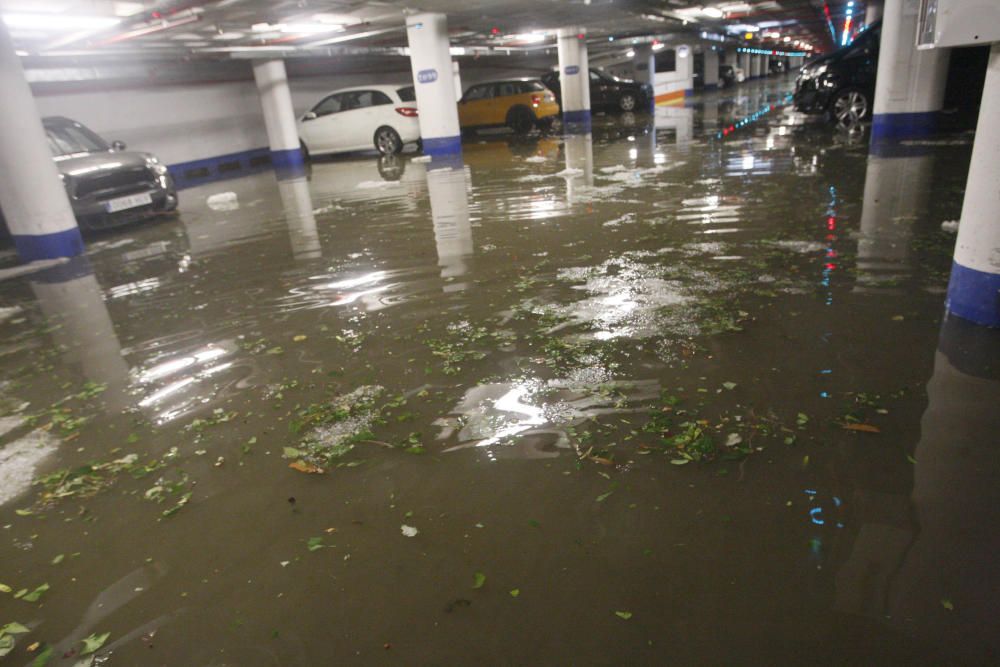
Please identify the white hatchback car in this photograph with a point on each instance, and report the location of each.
(356, 119)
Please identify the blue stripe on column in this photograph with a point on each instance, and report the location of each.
(576, 122)
(896, 126)
(442, 145)
(67, 243)
(974, 295)
(287, 159)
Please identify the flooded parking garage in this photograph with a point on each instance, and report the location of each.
(681, 391)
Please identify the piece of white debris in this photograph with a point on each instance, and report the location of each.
(223, 201)
(409, 531)
(949, 226)
(285, 563)
(733, 439)
(534, 158)
(421, 158)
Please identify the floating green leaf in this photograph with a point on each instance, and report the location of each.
(729, 385)
(623, 614)
(34, 595)
(514, 592)
(93, 643)
(478, 579)
(947, 604)
(58, 559)
(315, 543)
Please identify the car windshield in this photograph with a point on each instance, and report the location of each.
(67, 139)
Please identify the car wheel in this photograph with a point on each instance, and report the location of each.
(387, 141)
(850, 106)
(545, 124)
(520, 120)
(305, 151)
(627, 102)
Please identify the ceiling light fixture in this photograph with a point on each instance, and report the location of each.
(713, 12)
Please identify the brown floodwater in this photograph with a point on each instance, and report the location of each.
(680, 392)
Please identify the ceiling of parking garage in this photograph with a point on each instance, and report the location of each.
(253, 28)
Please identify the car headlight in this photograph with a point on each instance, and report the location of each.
(154, 163)
(813, 72)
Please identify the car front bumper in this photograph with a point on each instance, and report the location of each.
(92, 214)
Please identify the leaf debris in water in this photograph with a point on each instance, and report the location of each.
(478, 579)
(623, 614)
(409, 531)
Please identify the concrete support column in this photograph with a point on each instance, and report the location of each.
(711, 60)
(909, 88)
(873, 12)
(745, 64)
(765, 66)
(644, 67)
(35, 204)
(574, 77)
(434, 80)
(279, 117)
(974, 288)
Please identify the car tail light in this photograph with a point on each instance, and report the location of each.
(536, 100)
(409, 112)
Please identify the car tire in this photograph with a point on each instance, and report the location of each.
(545, 125)
(521, 120)
(850, 106)
(305, 151)
(387, 141)
(628, 102)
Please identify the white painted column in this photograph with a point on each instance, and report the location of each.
(279, 117)
(755, 60)
(644, 64)
(574, 79)
(765, 65)
(711, 60)
(974, 288)
(434, 81)
(744, 58)
(909, 88)
(34, 200)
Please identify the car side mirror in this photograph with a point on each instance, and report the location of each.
(310, 115)
(118, 145)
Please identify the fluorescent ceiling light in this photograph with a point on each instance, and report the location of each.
(297, 28)
(657, 47)
(58, 22)
(530, 37)
(630, 54)
(713, 12)
(227, 36)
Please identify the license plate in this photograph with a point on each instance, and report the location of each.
(132, 201)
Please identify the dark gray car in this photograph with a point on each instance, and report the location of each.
(107, 185)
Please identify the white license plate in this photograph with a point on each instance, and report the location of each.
(132, 201)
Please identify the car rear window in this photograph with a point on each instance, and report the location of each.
(408, 94)
(532, 86)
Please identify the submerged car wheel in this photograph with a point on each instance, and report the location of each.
(520, 120)
(850, 107)
(627, 102)
(387, 141)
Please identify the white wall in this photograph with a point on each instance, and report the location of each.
(178, 123)
(192, 121)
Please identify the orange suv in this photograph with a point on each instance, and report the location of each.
(520, 104)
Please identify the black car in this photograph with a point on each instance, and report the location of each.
(107, 185)
(608, 93)
(842, 84)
